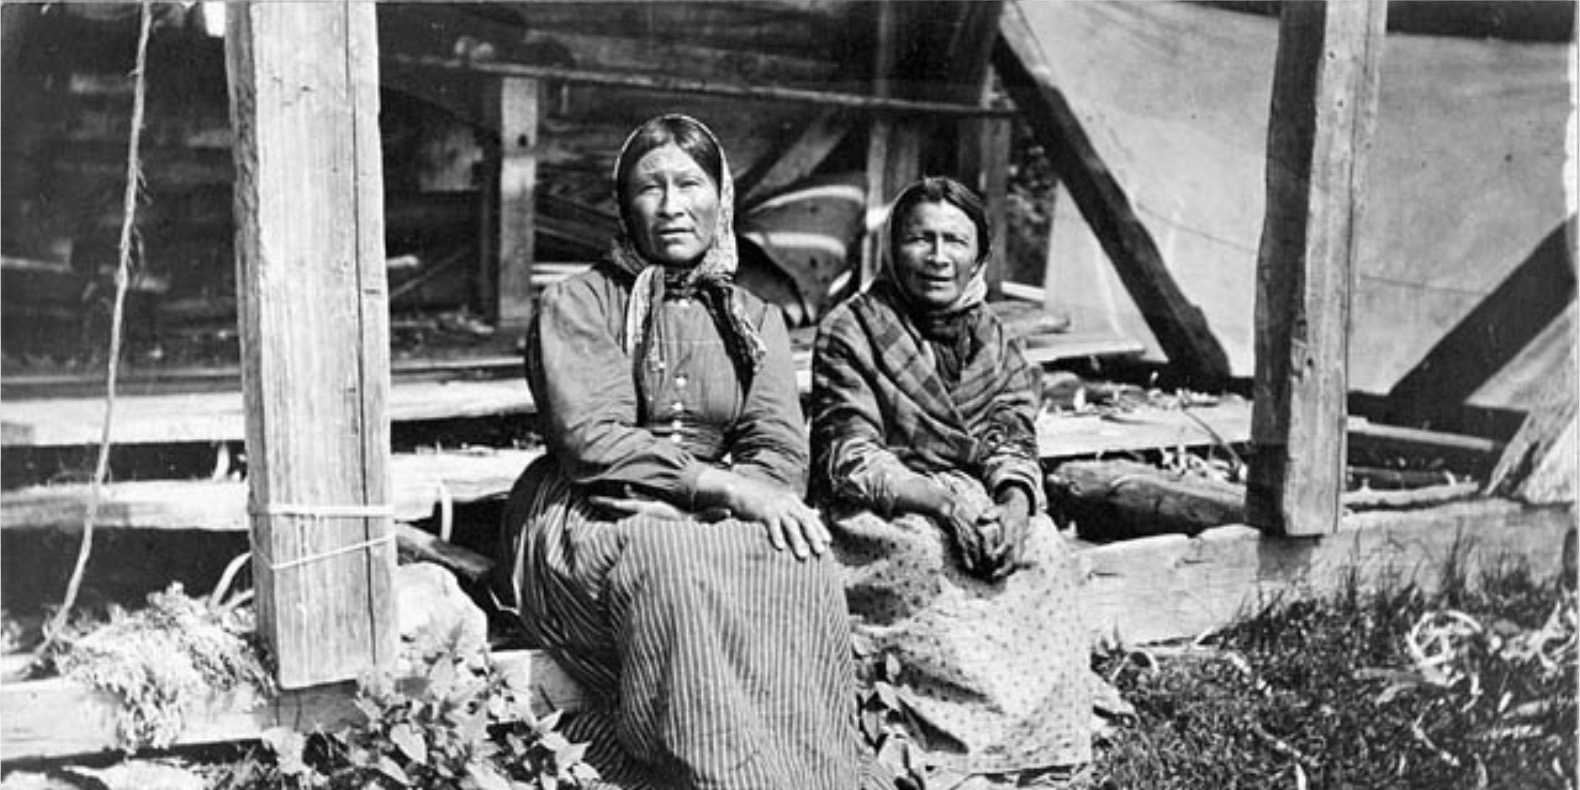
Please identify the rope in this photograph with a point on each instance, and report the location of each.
(134, 178)
(319, 513)
(336, 552)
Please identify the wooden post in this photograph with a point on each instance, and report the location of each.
(519, 114)
(1319, 139)
(313, 313)
(514, 102)
(984, 164)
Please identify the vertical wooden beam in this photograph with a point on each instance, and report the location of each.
(894, 145)
(518, 103)
(984, 165)
(1181, 329)
(313, 312)
(1319, 139)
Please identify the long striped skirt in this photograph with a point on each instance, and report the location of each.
(994, 676)
(711, 660)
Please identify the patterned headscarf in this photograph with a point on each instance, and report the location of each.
(711, 279)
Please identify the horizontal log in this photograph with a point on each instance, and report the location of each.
(1117, 500)
(1123, 500)
(56, 717)
(1417, 440)
(650, 54)
(1174, 587)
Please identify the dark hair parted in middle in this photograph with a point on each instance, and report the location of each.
(684, 133)
(941, 189)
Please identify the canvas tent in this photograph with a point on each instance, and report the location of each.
(1468, 222)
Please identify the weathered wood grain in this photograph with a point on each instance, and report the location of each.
(313, 313)
(1323, 115)
(515, 101)
(1174, 587)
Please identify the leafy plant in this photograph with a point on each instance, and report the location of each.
(885, 723)
(454, 727)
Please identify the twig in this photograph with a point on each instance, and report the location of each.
(1283, 747)
(134, 178)
(1425, 740)
(1239, 463)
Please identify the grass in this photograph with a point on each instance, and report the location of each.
(1329, 694)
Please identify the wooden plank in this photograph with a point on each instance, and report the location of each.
(516, 101)
(420, 483)
(1049, 348)
(1175, 587)
(56, 717)
(1070, 436)
(313, 311)
(1180, 327)
(219, 416)
(1323, 113)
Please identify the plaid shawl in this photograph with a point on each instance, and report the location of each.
(880, 403)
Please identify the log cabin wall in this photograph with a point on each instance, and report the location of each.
(67, 100)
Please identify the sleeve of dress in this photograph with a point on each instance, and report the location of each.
(586, 396)
(1011, 454)
(851, 462)
(768, 441)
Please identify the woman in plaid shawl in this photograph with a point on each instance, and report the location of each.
(660, 550)
(925, 461)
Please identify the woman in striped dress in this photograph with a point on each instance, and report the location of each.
(660, 550)
(925, 459)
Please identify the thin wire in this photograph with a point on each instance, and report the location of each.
(134, 179)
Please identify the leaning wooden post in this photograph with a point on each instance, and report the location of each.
(313, 312)
(1319, 136)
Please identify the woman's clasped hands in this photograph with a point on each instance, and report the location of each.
(990, 539)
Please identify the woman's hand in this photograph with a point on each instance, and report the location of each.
(790, 521)
(971, 528)
(1013, 516)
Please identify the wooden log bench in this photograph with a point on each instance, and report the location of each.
(1140, 591)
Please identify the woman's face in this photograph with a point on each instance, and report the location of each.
(937, 253)
(672, 205)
